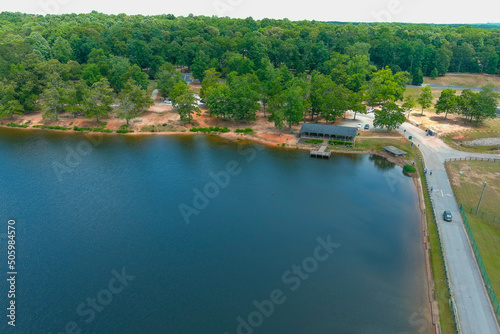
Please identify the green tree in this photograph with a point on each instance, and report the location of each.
(178, 89)
(409, 103)
(447, 103)
(200, 65)
(98, 100)
(434, 73)
(8, 103)
(466, 103)
(425, 98)
(390, 117)
(485, 105)
(217, 100)
(39, 44)
(52, 102)
(91, 74)
(243, 96)
(133, 100)
(288, 106)
(186, 105)
(417, 77)
(389, 87)
(61, 50)
(211, 78)
(277, 113)
(356, 103)
(166, 78)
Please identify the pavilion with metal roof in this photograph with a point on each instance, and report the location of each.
(394, 151)
(324, 131)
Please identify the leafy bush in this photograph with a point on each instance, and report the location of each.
(245, 131)
(314, 141)
(14, 125)
(124, 131)
(101, 130)
(56, 127)
(409, 169)
(210, 129)
(76, 128)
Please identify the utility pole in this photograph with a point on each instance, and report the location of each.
(480, 199)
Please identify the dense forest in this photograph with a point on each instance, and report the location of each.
(76, 61)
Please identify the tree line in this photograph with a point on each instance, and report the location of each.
(81, 63)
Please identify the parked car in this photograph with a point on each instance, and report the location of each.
(447, 216)
(367, 126)
(360, 125)
(369, 110)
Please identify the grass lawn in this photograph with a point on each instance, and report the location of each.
(465, 79)
(468, 187)
(376, 144)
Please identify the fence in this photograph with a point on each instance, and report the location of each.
(481, 214)
(451, 295)
(473, 159)
(480, 263)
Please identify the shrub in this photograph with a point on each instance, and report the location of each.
(314, 141)
(283, 144)
(101, 130)
(409, 169)
(210, 129)
(76, 128)
(124, 131)
(339, 142)
(245, 131)
(57, 127)
(14, 125)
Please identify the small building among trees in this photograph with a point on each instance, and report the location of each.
(323, 131)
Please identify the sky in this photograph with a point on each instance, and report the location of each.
(416, 11)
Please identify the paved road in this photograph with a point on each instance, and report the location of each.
(475, 313)
(452, 87)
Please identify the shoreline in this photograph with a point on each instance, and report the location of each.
(231, 137)
(234, 137)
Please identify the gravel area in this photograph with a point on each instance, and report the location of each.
(484, 142)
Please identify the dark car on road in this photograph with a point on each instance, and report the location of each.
(447, 216)
(367, 126)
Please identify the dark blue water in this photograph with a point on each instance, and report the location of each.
(88, 212)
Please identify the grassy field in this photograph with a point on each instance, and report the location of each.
(468, 187)
(415, 91)
(467, 80)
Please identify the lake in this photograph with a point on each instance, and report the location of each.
(193, 234)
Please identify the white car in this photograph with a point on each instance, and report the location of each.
(360, 125)
(369, 110)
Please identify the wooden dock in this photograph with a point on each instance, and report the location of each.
(321, 152)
